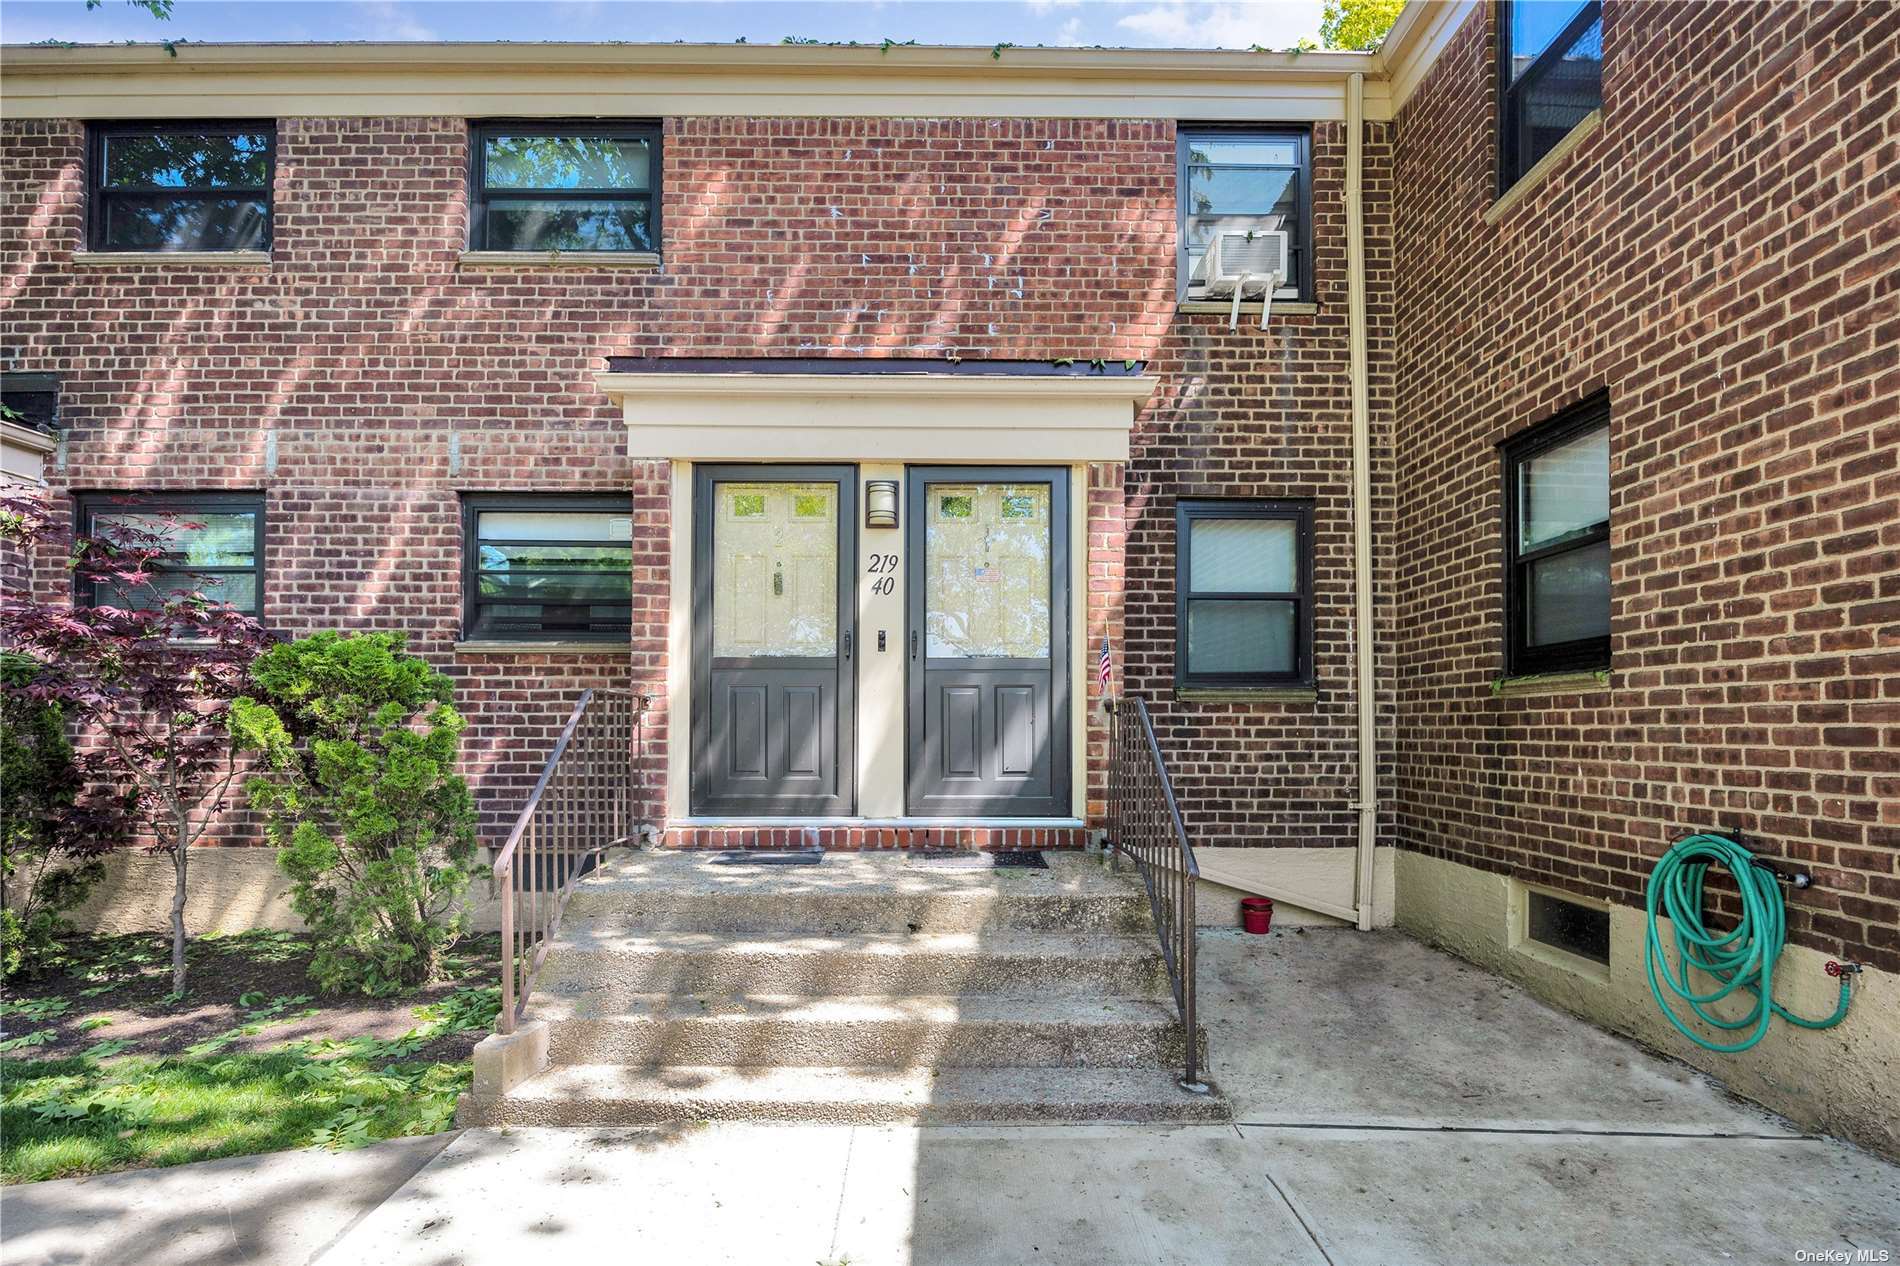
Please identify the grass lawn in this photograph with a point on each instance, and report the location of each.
(104, 1070)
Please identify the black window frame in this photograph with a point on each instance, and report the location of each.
(473, 505)
(1582, 654)
(88, 505)
(98, 192)
(479, 195)
(1514, 158)
(34, 397)
(1188, 511)
(1185, 135)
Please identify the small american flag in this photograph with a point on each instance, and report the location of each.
(1102, 669)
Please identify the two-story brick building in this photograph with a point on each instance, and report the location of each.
(853, 404)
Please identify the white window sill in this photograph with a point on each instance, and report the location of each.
(1542, 168)
(641, 260)
(1248, 308)
(171, 259)
(543, 648)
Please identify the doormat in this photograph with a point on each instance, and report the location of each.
(759, 857)
(970, 859)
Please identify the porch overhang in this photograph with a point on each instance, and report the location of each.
(856, 411)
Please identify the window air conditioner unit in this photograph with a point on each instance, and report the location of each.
(1246, 262)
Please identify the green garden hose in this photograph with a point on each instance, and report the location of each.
(1743, 958)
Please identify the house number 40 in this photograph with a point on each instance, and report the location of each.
(884, 567)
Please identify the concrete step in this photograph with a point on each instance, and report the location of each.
(850, 893)
(839, 913)
(613, 1094)
(969, 1031)
(615, 965)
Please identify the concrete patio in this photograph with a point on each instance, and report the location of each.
(1392, 1105)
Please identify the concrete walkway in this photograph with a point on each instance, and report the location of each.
(1393, 1106)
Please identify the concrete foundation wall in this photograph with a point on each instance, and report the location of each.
(1310, 887)
(1844, 1080)
(229, 890)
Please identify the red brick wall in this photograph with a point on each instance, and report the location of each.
(1246, 414)
(1721, 255)
(364, 381)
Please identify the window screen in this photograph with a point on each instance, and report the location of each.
(1557, 542)
(552, 569)
(1243, 604)
(181, 186)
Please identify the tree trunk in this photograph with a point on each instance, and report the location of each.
(179, 863)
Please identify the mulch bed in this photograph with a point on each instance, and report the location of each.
(132, 975)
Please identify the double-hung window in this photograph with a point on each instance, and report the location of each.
(180, 186)
(1550, 75)
(1240, 189)
(213, 544)
(1557, 543)
(548, 568)
(572, 187)
(1243, 593)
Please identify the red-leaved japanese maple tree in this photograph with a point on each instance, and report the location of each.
(147, 671)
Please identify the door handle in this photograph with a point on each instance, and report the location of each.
(847, 644)
(913, 643)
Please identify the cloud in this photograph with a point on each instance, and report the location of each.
(387, 20)
(1235, 24)
(1042, 8)
(1070, 34)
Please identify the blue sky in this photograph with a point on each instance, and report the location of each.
(1134, 23)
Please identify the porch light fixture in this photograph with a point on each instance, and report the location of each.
(880, 503)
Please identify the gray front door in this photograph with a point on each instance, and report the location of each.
(989, 642)
(773, 623)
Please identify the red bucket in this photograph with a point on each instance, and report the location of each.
(1256, 914)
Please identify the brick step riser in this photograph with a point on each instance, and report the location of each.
(605, 973)
(891, 1044)
(853, 913)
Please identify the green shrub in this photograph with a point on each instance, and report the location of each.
(357, 744)
(48, 859)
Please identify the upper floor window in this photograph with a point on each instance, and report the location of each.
(1557, 543)
(1245, 207)
(572, 187)
(1550, 75)
(1243, 606)
(548, 568)
(180, 186)
(213, 542)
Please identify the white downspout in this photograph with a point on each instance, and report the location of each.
(1368, 802)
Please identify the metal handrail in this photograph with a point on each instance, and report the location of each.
(1144, 824)
(581, 805)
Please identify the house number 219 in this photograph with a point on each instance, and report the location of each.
(884, 567)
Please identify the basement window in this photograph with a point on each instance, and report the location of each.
(591, 187)
(1565, 925)
(1550, 76)
(1557, 543)
(180, 186)
(548, 568)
